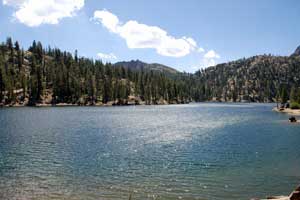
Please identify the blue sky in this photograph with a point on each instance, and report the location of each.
(186, 35)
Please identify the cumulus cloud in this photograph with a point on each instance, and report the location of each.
(109, 56)
(209, 58)
(201, 50)
(13, 2)
(211, 55)
(36, 12)
(139, 36)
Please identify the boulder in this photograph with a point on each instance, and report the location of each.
(295, 195)
(293, 119)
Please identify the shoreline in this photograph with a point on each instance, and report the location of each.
(142, 103)
(115, 104)
(88, 105)
(295, 195)
(287, 111)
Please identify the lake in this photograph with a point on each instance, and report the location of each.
(205, 151)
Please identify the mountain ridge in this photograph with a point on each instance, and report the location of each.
(140, 65)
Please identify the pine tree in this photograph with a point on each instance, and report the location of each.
(17, 46)
(128, 89)
(9, 43)
(33, 84)
(283, 94)
(298, 95)
(2, 87)
(20, 56)
(33, 47)
(91, 87)
(39, 83)
(293, 94)
(106, 91)
(76, 56)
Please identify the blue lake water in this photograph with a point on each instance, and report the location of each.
(200, 151)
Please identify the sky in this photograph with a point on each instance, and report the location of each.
(185, 34)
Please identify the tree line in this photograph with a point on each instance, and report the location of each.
(48, 75)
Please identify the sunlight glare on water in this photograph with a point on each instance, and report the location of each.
(207, 151)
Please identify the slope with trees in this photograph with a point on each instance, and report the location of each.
(40, 76)
(47, 76)
(264, 78)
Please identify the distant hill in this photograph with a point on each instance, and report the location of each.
(139, 65)
(256, 79)
(297, 52)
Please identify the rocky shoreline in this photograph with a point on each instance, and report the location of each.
(287, 111)
(295, 195)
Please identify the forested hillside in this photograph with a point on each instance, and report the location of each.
(257, 79)
(52, 77)
(46, 76)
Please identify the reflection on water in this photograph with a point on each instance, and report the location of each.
(196, 151)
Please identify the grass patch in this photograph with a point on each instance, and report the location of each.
(295, 106)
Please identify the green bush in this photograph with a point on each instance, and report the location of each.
(295, 105)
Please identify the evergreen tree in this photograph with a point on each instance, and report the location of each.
(2, 88)
(284, 95)
(293, 94)
(9, 43)
(39, 83)
(33, 84)
(298, 95)
(17, 46)
(106, 90)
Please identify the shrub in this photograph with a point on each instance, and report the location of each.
(295, 105)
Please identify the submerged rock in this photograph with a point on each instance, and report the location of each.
(293, 119)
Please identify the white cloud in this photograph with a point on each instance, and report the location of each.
(211, 55)
(13, 2)
(36, 12)
(109, 56)
(141, 36)
(201, 50)
(209, 58)
(108, 20)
